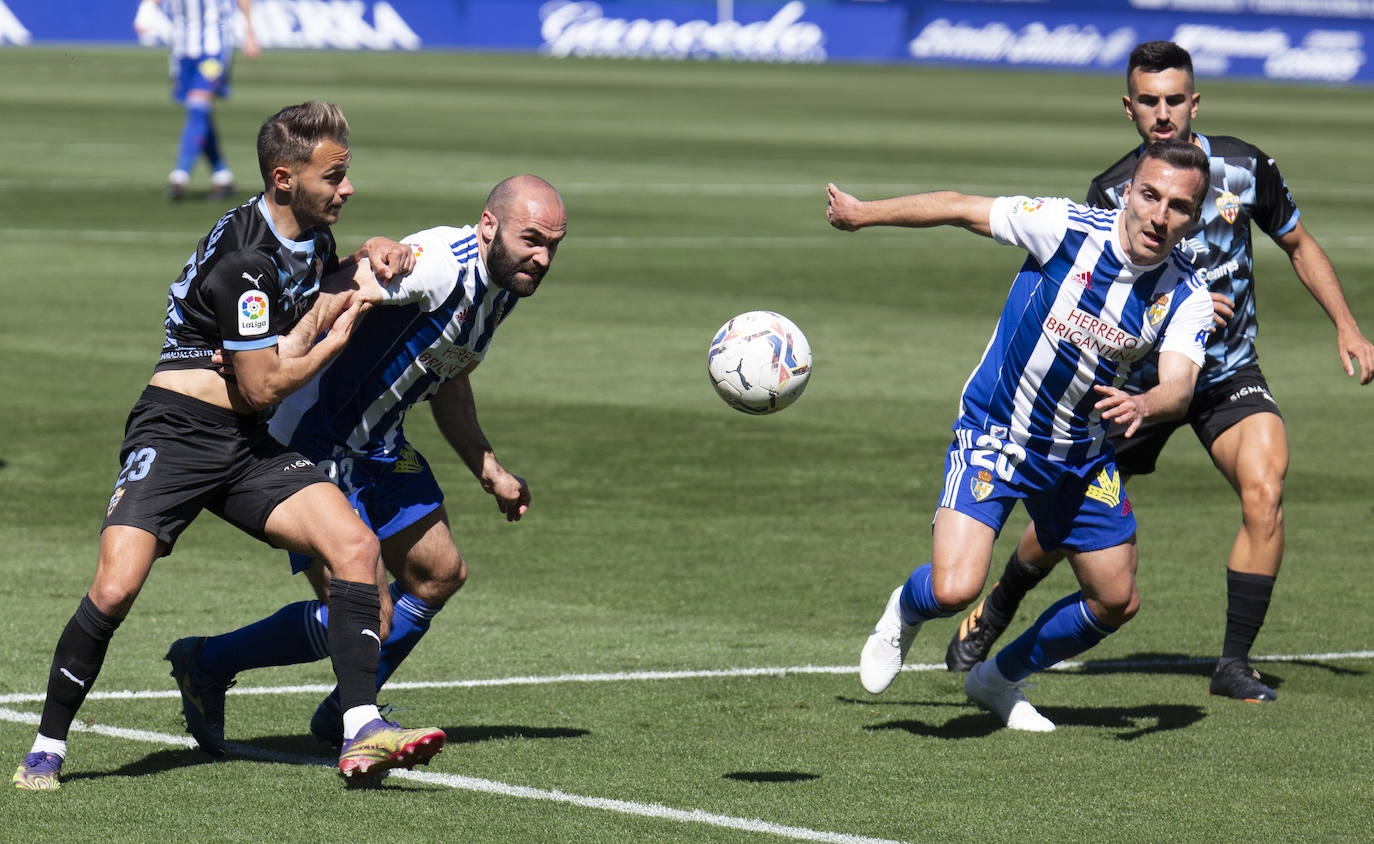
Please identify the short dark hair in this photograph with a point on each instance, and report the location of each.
(1155, 56)
(1182, 155)
(290, 136)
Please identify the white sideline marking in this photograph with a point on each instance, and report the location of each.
(650, 810)
(624, 807)
(631, 676)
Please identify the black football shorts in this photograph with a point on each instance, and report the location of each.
(1211, 412)
(181, 455)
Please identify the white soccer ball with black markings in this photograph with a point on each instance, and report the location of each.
(759, 362)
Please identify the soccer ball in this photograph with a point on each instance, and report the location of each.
(759, 362)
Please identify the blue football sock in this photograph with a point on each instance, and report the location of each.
(1066, 629)
(409, 622)
(211, 145)
(193, 135)
(293, 634)
(917, 603)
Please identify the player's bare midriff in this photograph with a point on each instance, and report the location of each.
(203, 384)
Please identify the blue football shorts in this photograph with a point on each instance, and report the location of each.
(389, 494)
(1079, 507)
(209, 73)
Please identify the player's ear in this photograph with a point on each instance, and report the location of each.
(283, 179)
(1197, 98)
(1126, 104)
(487, 226)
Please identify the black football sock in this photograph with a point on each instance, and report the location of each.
(1017, 579)
(1247, 602)
(75, 664)
(354, 640)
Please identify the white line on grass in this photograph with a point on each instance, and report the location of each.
(457, 781)
(632, 676)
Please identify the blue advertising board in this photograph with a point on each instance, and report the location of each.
(1311, 40)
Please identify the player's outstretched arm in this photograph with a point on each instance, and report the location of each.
(1319, 277)
(1166, 400)
(455, 412)
(920, 210)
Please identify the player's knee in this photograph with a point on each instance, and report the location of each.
(1262, 505)
(436, 583)
(1115, 609)
(352, 554)
(953, 597)
(113, 599)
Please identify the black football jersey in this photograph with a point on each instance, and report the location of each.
(244, 286)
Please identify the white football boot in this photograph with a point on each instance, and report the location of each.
(986, 685)
(886, 648)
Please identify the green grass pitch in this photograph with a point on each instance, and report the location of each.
(669, 533)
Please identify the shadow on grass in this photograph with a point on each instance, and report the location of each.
(1133, 721)
(307, 750)
(154, 763)
(770, 776)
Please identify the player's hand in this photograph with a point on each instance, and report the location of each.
(341, 328)
(1223, 308)
(223, 365)
(251, 49)
(388, 258)
(1354, 345)
(842, 209)
(1121, 408)
(511, 492)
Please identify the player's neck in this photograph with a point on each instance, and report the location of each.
(284, 220)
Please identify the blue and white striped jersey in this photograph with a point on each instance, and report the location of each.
(434, 324)
(1079, 313)
(201, 28)
(1246, 186)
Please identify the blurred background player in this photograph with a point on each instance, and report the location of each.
(1232, 413)
(203, 40)
(1096, 292)
(349, 419)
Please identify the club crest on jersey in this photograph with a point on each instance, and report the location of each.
(114, 501)
(1228, 205)
(407, 462)
(1106, 487)
(252, 313)
(981, 486)
(1158, 310)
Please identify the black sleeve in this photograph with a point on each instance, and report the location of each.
(1274, 205)
(1097, 197)
(243, 289)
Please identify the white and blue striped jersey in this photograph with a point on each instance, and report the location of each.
(201, 28)
(435, 323)
(1079, 313)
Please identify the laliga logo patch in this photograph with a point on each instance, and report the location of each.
(416, 249)
(1106, 487)
(252, 313)
(981, 486)
(1229, 205)
(114, 501)
(1028, 206)
(1158, 310)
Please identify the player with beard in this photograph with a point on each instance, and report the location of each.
(197, 439)
(1232, 413)
(423, 347)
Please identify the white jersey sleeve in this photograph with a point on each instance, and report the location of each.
(1035, 225)
(436, 269)
(1191, 325)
